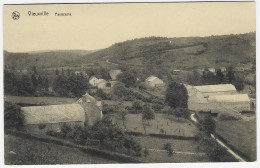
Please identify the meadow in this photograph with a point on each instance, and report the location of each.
(240, 134)
(23, 151)
(162, 124)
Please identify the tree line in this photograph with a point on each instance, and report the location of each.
(210, 78)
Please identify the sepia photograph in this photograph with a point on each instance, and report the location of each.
(117, 83)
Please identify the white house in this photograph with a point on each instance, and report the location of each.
(153, 81)
(114, 73)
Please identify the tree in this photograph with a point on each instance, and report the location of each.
(169, 149)
(176, 95)
(220, 76)
(34, 81)
(123, 115)
(146, 152)
(57, 72)
(148, 113)
(25, 86)
(13, 116)
(127, 78)
(208, 124)
(119, 90)
(238, 83)
(194, 78)
(181, 112)
(137, 107)
(230, 75)
(209, 78)
(216, 153)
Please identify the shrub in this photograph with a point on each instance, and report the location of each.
(65, 130)
(42, 126)
(112, 137)
(169, 149)
(227, 117)
(53, 133)
(146, 153)
(79, 135)
(157, 107)
(137, 107)
(104, 96)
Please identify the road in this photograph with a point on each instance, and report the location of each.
(239, 158)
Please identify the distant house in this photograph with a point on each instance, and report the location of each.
(81, 72)
(153, 81)
(176, 71)
(102, 83)
(40, 119)
(213, 70)
(217, 99)
(93, 81)
(223, 69)
(114, 73)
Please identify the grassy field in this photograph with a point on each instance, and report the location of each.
(39, 100)
(240, 134)
(178, 146)
(21, 151)
(168, 124)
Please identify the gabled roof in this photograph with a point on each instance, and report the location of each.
(53, 114)
(215, 88)
(113, 73)
(229, 98)
(152, 78)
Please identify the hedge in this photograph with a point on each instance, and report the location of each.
(94, 151)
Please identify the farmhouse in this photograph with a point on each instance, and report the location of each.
(40, 119)
(153, 81)
(95, 81)
(216, 98)
(113, 73)
(101, 83)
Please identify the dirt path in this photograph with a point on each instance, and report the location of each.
(179, 152)
(239, 158)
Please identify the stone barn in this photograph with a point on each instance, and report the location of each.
(40, 119)
(216, 99)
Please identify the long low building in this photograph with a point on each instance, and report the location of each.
(40, 119)
(216, 99)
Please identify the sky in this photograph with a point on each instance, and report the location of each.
(97, 26)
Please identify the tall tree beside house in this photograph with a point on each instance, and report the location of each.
(176, 95)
